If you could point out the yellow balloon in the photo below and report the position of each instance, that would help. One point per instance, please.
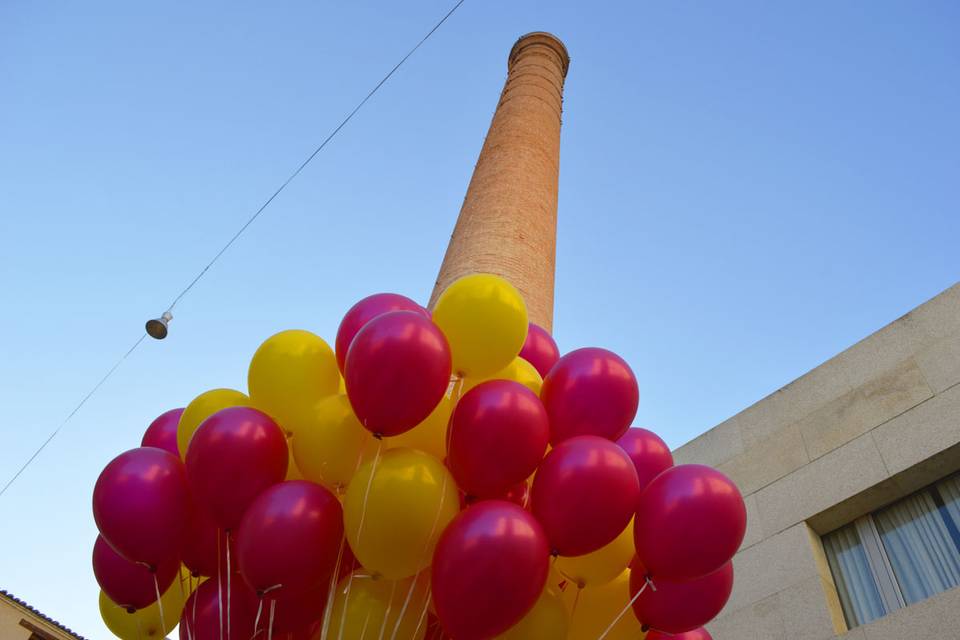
(430, 435)
(289, 373)
(145, 623)
(293, 471)
(597, 607)
(602, 565)
(202, 407)
(377, 603)
(519, 370)
(485, 321)
(331, 447)
(396, 507)
(548, 620)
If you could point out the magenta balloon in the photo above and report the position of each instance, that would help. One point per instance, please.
(680, 606)
(162, 432)
(584, 494)
(289, 538)
(296, 611)
(498, 434)
(234, 455)
(649, 453)
(201, 618)
(691, 519)
(126, 583)
(140, 505)
(204, 543)
(696, 634)
(540, 350)
(365, 311)
(489, 568)
(397, 371)
(590, 392)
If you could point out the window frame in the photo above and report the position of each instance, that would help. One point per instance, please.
(878, 560)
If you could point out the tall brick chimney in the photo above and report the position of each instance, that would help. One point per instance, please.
(508, 222)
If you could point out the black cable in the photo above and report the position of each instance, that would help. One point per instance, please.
(232, 240)
(313, 155)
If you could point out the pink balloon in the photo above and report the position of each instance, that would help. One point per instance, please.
(289, 538)
(128, 584)
(365, 311)
(693, 521)
(540, 350)
(162, 432)
(680, 606)
(584, 494)
(397, 371)
(201, 618)
(590, 392)
(140, 505)
(204, 549)
(696, 634)
(234, 455)
(649, 453)
(498, 435)
(489, 568)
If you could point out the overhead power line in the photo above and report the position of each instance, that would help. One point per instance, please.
(239, 232)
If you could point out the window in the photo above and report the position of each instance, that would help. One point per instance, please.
(901, 554)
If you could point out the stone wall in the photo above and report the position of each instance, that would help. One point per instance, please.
(869, 426)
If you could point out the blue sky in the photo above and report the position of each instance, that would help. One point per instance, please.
(746, 190)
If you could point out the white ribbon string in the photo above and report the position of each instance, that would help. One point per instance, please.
(647, 583)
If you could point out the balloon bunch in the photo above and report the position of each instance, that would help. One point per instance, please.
(436, 475)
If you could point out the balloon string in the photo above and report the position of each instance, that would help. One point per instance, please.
(334, 579)
(366, 621)
(156, 587)
(386, 614)
(576, 601)
(256, 620)
(423, 613)
(328, 606)
(423, 553)
(195, 607)
(228, 585)
(219, 586)
(363, 514)
(273, 608)
(647, 583)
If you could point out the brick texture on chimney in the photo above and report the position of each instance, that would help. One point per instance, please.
(508, 222)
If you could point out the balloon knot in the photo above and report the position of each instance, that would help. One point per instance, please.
(378, 435)
(131, 610)
(554, 553)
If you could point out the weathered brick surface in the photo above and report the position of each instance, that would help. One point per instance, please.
(508, 222)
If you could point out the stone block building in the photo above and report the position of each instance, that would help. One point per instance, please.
(850, 475)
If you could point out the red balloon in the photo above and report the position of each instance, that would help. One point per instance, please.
(365, 311)
(397, 371)
(590, 392)
(498, 435)
(649, 453)
(140, 504)
(201, 617)
(204, 543)
(691, 519)
(294, 612)
(696, 634)
(680, 606)
(489, 569)
(128, 584)
(162, 432)
(289, 538)
(584, 494)
(234, 455)
(540, 350)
